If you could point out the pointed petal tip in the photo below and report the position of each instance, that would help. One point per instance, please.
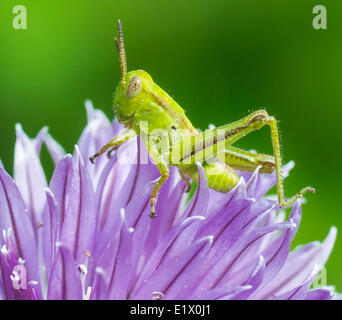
(18, 127)
(194, 218)
(261, 260)
(290, 164)
(331, 237)
(88, 103)
(78, 154)
(58, 244)
(90, 110)
(43, 130)
(333, 231)
(208, 239)
(48, 191)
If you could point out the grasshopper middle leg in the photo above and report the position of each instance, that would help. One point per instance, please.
(164, 171)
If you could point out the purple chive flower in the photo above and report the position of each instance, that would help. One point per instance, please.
(87, 234)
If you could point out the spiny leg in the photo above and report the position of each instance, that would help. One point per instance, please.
(211, 143)
(164, 171)
(272, 122)
(255, 121)
(115, 142)
(206, 145)
(110, 151)
(243, 160)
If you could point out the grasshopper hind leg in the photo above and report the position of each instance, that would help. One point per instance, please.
(243, 160)
(256, 121)
(221, 177)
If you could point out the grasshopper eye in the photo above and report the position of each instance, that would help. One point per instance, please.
(134, 87)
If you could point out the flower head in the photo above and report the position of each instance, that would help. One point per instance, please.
(87, 234)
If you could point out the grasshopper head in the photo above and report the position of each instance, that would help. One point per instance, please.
(132, 88)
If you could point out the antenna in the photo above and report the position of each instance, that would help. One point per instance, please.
(120, 46)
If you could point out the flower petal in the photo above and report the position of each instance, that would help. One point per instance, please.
(217, 273)
(55, 149)
(254, 280)
(115, 261)
(99, 290)
(122, 271)
(199, 202)
(79, 223)
(15, 216)
(265, 182)
(222, 294)
(96, 134)
(65, 281)
(319, 294)
(170, 281)
(164, 249)
(29, 175)
(50, 230)
(299, 265)
(8, 291)
(299, 292)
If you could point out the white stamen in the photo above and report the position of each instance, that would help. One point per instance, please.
(4, 250)
(156, 295)
(86, 296)
(100, 271)
(58, 244)
(122, 213)
(82, 269)
(197, 217)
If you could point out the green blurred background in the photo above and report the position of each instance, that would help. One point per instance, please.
(218, 59)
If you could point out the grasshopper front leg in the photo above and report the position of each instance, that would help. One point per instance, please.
(114, 143)
(164, 171)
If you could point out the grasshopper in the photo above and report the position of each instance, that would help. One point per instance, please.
(138, 99)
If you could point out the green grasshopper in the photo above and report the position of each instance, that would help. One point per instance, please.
(138, 99)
